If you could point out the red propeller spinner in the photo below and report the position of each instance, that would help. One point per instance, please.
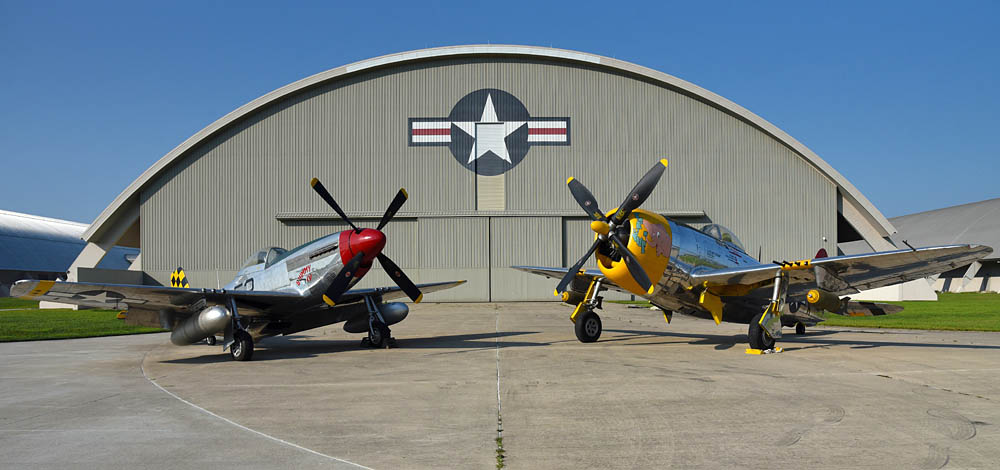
(368, 241)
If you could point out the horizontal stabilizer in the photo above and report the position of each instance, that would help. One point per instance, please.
(868, 309)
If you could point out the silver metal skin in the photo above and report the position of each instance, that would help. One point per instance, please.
(698, 259)
(276, 292)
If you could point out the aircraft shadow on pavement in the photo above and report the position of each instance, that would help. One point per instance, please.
(300, 346)
(812, 339)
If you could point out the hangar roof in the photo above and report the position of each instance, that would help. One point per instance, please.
(40, 244)
(974, 223)
(129, 197)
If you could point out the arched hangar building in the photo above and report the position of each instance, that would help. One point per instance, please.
(483, 138)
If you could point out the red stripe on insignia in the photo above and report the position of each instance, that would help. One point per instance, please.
(435, 131)
(546, 130)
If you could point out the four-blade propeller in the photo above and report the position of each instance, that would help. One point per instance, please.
(605, 227)
(342, 282)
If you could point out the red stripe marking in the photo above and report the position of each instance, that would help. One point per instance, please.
(546, 130)
(432, 131)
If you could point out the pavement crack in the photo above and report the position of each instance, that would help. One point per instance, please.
(142, 370)
(970, 395)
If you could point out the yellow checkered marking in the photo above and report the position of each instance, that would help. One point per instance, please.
(179, 279)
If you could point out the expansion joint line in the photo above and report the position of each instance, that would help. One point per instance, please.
(238, 425)
(499, 438)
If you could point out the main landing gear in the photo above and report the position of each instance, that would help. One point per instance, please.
(242, 347)
(765, 327)
(588, 323)
(759, 338)
(237, 339)
(379, 334)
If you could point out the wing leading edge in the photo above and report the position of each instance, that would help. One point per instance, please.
(854, 273)
(123, 296)
(582, 281)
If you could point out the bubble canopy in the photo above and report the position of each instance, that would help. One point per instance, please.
(722, 233)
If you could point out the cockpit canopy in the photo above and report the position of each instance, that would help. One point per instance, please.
(265, 255)
(720, 232)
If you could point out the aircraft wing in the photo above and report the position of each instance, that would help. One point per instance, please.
(850, 274)
(395, 292)
(123, 296)
(582, 281)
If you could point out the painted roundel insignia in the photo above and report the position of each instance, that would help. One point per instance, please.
(489, 131)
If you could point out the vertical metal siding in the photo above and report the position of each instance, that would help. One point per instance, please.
(218, 204)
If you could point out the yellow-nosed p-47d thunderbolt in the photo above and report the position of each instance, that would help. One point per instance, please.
(707, 273)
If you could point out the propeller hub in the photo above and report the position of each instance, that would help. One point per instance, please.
(601, 227)
(368, 241)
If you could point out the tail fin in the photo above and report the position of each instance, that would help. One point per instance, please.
(178, 278)
(821, 254)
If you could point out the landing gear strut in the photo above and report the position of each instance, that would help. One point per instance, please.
(379, 334)
(588, 323)
(765, 327)
(236, 337)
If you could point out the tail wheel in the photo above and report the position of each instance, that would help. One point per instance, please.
(757, 336)
(242, 347)
(800, 328)
(588, 327)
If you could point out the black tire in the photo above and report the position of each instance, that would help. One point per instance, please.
(588, 327)
(800, 328)
(757, 336)
(210, 341)
(378, 335)
(242, 347)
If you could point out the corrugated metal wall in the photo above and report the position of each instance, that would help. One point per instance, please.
(220, 203)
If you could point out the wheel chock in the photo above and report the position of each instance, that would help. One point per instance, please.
(764, 351)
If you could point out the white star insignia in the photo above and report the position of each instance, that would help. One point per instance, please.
(489, 133)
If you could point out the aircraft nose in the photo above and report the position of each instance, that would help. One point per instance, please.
(369, 241)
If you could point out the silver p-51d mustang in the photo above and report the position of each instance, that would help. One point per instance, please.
(276, 292)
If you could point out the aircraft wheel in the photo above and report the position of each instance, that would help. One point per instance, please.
(588, 327)
(210, 341)
(242, 347)
(800, 328)
(378, 335)
(759, 339)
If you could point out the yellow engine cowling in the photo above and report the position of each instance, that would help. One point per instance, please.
(828, 301)
(650, 241)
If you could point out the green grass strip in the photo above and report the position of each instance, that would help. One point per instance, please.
(966, 311)
(13, 302)
(37, 324)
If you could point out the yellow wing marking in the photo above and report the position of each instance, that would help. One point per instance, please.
(40, 289)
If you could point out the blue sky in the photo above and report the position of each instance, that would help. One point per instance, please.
(900, 97)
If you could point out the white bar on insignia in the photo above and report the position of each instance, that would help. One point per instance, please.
(432, 124)
(547, 124)
(546, 137)
(431, 138)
